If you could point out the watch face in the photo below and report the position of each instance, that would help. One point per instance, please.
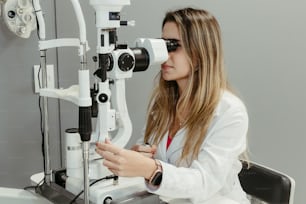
(156, 180)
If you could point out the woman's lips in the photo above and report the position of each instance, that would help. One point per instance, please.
(165, 67)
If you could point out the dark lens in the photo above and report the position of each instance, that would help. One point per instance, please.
(172, 44)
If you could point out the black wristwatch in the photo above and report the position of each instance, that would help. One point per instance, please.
(157, 176)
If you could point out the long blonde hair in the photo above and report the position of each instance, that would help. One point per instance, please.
(201, 39)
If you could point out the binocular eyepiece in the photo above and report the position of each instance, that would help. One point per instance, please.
(172, 44)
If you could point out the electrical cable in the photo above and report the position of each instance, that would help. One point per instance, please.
(41, 120)
(94, 182)
(34, 186)
(39, 98)
(37, 24)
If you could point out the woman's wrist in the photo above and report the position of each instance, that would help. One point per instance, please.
(150, 168)
(156, 177)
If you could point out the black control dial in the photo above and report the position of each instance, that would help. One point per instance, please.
(126, 62)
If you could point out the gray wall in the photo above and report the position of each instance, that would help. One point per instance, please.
(20, 138)
(265, 53)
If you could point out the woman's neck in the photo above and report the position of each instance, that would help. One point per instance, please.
(177, 123)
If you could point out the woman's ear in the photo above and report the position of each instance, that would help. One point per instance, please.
(196, 65)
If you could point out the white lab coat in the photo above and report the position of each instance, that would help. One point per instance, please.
(213, 177)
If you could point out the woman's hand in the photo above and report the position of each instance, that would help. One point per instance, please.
(146, 150)
(123, 162)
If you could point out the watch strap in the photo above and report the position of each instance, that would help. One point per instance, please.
(157, 175)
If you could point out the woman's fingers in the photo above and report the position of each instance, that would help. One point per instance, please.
(146, 154)
(110, 165)
(123, 162)
(112, 157)
(145, 149)
(109, 148)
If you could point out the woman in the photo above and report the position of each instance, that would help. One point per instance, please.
(196, 127)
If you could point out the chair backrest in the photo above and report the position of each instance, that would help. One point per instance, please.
(267, 184)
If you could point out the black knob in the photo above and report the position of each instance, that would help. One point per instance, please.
(11, 14)
(103, 98)
(126, 62)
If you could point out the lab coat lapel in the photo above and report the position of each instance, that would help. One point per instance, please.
(175, 149)
(162, 148)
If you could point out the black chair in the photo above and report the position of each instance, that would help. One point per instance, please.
(266, 185)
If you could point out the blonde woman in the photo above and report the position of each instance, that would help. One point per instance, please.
(196, 127)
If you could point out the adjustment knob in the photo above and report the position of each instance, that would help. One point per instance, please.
(126, 62)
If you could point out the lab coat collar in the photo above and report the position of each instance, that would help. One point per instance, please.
(178, 140)
(177, 143)
(175, 146)
(218, 110)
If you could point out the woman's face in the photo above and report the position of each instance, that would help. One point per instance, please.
(176, 67)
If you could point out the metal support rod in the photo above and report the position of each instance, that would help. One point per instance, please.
(47, 169)
(86, 171)
(84, 57)
(85, 123)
